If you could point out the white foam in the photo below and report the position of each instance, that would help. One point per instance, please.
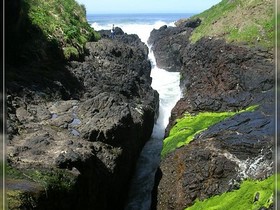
(142, 30)
(166, 83)
(251, 167)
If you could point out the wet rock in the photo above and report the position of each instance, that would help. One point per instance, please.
(257, 197)
(107, 33)
(99, 132)
(223, 153)
(167, 42)
(216, 76)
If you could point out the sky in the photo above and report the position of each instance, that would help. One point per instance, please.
(146, 6)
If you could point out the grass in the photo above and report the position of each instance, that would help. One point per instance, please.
(249, 22)
(241, 199)
(187, 127)
(50, 179)
(30, 186)
(63, 23)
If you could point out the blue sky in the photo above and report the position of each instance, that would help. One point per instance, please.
(146, 6)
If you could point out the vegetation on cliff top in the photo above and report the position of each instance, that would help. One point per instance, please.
(45, 29)
(251, 195)
(62, 22)
(248, 22)
(186, 128)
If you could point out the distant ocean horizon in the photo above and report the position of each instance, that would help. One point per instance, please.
(141, 24)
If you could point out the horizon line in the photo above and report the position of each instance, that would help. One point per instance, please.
(131, 13)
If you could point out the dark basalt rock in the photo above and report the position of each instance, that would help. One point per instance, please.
(168, 42)
(188, 23)
(215, 76)
(98, 134)
(107, 33)
(219, 77)
(217, 160)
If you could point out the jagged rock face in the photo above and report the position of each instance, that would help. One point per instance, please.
(188, 23)
(99, 134)
(224, 76)
(168, 42)
(217, 160)
(216, 76)
(107, 33)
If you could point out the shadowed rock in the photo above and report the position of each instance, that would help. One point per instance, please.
(215, 76)
(99, 134)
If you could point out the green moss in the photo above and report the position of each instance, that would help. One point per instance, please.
(277, 182)
(13, 173)
(250, 22)
(23, 194)
(26, 188)
(187, 127)
(15, 199)
(51, 179)
(70, 52)
(241, 199)
(250, 108)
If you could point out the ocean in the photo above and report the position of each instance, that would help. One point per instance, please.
(167, 85)
(140, 24)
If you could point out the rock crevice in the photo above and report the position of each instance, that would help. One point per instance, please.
(97, 131)
(215, 76)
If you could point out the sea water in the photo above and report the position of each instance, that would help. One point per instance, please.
(140, 24)
(167, 85)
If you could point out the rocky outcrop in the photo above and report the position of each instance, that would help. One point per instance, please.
(221, 77)
(107, 33)
(46, 31)
(166, 49)
(168, 42)
(216, 76)
(93, 131)
(218, 159)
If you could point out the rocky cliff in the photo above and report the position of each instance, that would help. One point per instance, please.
(216, 76)
(75, 129)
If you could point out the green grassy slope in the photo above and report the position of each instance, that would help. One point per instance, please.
(63, 22)
(248, 22)
(46, 29)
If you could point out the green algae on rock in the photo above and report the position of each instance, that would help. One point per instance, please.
(187, 127)
(252, 194)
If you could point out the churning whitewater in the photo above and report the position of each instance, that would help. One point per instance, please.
(167, 85)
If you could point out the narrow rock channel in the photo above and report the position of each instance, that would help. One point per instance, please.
(167, 85)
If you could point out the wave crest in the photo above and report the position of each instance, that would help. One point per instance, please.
(141, 29)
